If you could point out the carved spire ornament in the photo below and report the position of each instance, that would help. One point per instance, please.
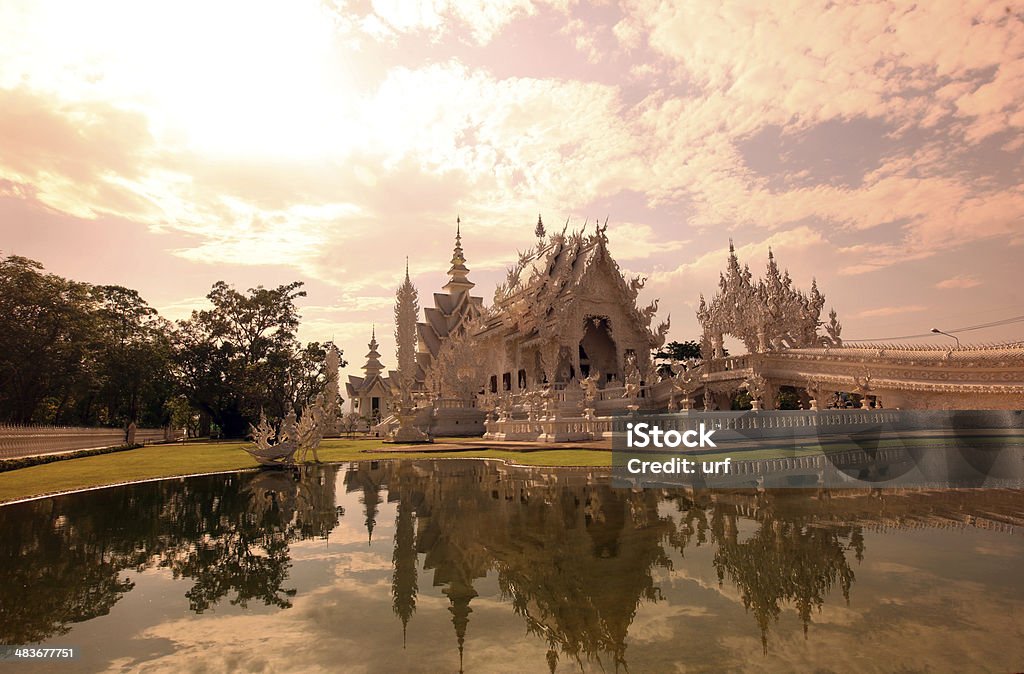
(767, 315)
(458, 274)
(373, 365)
(406, 311)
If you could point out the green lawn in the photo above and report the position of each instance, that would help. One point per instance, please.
(159, 461)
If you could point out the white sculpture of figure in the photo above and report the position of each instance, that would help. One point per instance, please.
(756, 386)
(589, 385)
(632, 384)
(311, 429)
(505, 407)
(864, 389)
(814, 389)
(332, 397)
(632, 379)
(550, 396)
(686, 378)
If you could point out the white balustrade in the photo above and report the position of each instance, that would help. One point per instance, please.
(21, 441)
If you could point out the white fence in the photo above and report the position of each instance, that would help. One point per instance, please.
(729, 425)
(21, 441)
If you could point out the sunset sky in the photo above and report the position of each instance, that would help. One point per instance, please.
(165, 146)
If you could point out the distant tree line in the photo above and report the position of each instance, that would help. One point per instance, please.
(74, 353)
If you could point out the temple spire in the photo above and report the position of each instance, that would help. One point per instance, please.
(407, 308)
(460, 594)
(373, 365)
(458, 273)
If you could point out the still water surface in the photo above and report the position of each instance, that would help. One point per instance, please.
(439, 565)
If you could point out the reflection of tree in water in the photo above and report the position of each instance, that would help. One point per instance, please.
(63, 558)
(80, 579)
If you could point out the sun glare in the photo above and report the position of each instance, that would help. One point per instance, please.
(221, 78)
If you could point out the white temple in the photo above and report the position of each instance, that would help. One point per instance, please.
(564, 347)
(371, 393)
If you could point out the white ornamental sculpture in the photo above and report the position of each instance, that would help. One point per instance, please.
(589, 385)
(406, 311)
(280, 448)
(460, 364)
(332, 398)
(311, 429)
(686, 379)
(757, 387)
(769, 314)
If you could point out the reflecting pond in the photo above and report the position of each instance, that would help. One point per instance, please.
(447, 564)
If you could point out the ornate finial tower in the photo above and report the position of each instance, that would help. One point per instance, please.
(539, 231)
(406, 311)
(458, 274)
(373, 365)
(407, 308)
(460, 593)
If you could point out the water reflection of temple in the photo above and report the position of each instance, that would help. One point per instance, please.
(576, 558)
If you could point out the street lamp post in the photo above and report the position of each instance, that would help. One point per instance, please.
(940, 332)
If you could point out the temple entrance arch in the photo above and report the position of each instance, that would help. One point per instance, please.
(597, 349)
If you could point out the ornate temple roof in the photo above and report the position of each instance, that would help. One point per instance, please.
(451, 309)
(372, 368)
(551, 274)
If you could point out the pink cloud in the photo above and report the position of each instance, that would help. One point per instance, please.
(891, 311)
(959, 281)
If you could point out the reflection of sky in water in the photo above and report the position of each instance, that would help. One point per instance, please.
(927, 593)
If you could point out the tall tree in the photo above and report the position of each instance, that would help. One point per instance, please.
(238, 358)
(132, 353)
(47, 321)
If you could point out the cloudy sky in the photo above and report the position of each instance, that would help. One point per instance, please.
(876, 147)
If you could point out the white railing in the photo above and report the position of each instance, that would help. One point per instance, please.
(730, 424)
(21, 441)
(729, 363)
(453, 403)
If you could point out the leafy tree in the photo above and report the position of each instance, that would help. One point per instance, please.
(675, 351)
(788, 398)
(75, 353)
(133, 358)
(679, 351)
(240, 357)
(309, 375)
(47, 322)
